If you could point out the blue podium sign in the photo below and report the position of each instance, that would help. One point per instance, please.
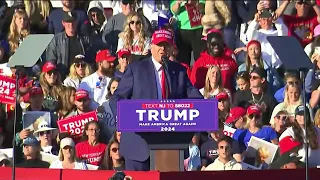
(190, 115)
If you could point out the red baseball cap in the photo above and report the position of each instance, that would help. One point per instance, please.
(287, 144)
(222, 95)
(122, 52)
(253, 109)
(235, 113)
(162, 36)
(210, 31)
(35, 91)
(105, 55)
(81, 93)
(48, 66)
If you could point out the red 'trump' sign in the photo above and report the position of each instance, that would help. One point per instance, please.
(7, 90)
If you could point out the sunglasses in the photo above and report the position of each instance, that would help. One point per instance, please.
(45, 132)
(224, 147)
(80, 65)
(115, 150)
(283, 118)
(135, 22)
(52, 72)
(254, 77)
(256, 116)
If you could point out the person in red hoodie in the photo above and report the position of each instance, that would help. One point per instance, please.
(214, 55)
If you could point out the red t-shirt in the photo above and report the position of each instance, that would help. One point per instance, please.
(301, 28)
(92, 154)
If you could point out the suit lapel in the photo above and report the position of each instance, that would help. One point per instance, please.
(151, 78)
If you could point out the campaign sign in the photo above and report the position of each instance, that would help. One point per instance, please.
(7, 90)
(75, 124)
(190, 115)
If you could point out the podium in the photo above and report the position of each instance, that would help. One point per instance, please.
(164, 128)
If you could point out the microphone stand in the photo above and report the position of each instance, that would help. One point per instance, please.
(306, 118)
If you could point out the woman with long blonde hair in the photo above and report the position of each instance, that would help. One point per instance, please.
(19, 29)
(38, 12)
(50, 82)
(133, 36)
(79, 69)
(213, 83)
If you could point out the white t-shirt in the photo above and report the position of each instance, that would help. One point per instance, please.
(97, 89)
(77, 165)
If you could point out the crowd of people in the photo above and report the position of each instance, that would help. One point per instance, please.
(216, 49)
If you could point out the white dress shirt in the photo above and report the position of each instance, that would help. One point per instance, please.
(158, 73)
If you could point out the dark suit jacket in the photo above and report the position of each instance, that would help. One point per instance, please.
(139, 82)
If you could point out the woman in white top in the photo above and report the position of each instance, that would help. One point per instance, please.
(133, 36)
(67, 157)
(213, 84)
(78, 70)
(297, 132)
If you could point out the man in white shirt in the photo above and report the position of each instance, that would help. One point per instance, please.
(96, 84)
(225, 161)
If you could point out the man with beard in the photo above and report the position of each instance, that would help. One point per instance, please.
(96, 83)
(82, 102)
(214, 56)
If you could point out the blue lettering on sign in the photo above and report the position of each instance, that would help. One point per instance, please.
(168, 114)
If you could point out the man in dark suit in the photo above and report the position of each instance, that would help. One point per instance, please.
(146, 79)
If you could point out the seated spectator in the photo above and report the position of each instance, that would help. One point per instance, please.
(67, 157)
(79, 69)
(57, 15)
(243, 81)
(112, 159)
(36, 99)
(19, 30)
(214, 56)
(134, 37)
(117, 136)
(255, 128)
(61, 52)
(4, 160)
(236, 118)
(124, 58)
(280, 122)
(91, 149)
(31, 151)
(223, 105)
(66, 102)
(96, 83)
(209, 149)
(224, 161)
(81, 102)
(50, 82)
(47, 135)
(297, 130)
(256, 95)
(213, 84)
(289, 78)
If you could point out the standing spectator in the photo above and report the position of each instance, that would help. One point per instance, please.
(214, 56)
(236, 118)
(82, 103)
(133, 36)
(115, 25)
(96, 83)
(223, 105)
(91, 149)
(297, 131)
(66, 102)
(149, 73)
(124, 58)
(224, 161)
(303, 23)
(19, 30)
(36, 99)
(256, 95)
(79, 69)
(56, 16)
(67, 157)
(67, 44)
(255, 128)
(112, 159)
(31, 151)
(213, 84)
(50, 82)
(190, 28)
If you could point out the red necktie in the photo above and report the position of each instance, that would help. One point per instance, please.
(163, 85)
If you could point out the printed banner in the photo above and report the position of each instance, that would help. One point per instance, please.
(7, 90)
(75, 124)
(194, 15)
(188, 115)
(228, 131)
(259, 154)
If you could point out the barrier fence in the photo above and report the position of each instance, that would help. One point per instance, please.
(51, 174)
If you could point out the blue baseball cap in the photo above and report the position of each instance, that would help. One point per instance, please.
(31, 141)
(300, 110)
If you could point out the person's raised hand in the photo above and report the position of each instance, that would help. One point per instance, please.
(24, 133)
(260, 6)
(240, 49)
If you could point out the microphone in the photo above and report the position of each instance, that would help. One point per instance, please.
(164, 59)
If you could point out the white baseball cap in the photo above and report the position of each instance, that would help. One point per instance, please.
(66, 142)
